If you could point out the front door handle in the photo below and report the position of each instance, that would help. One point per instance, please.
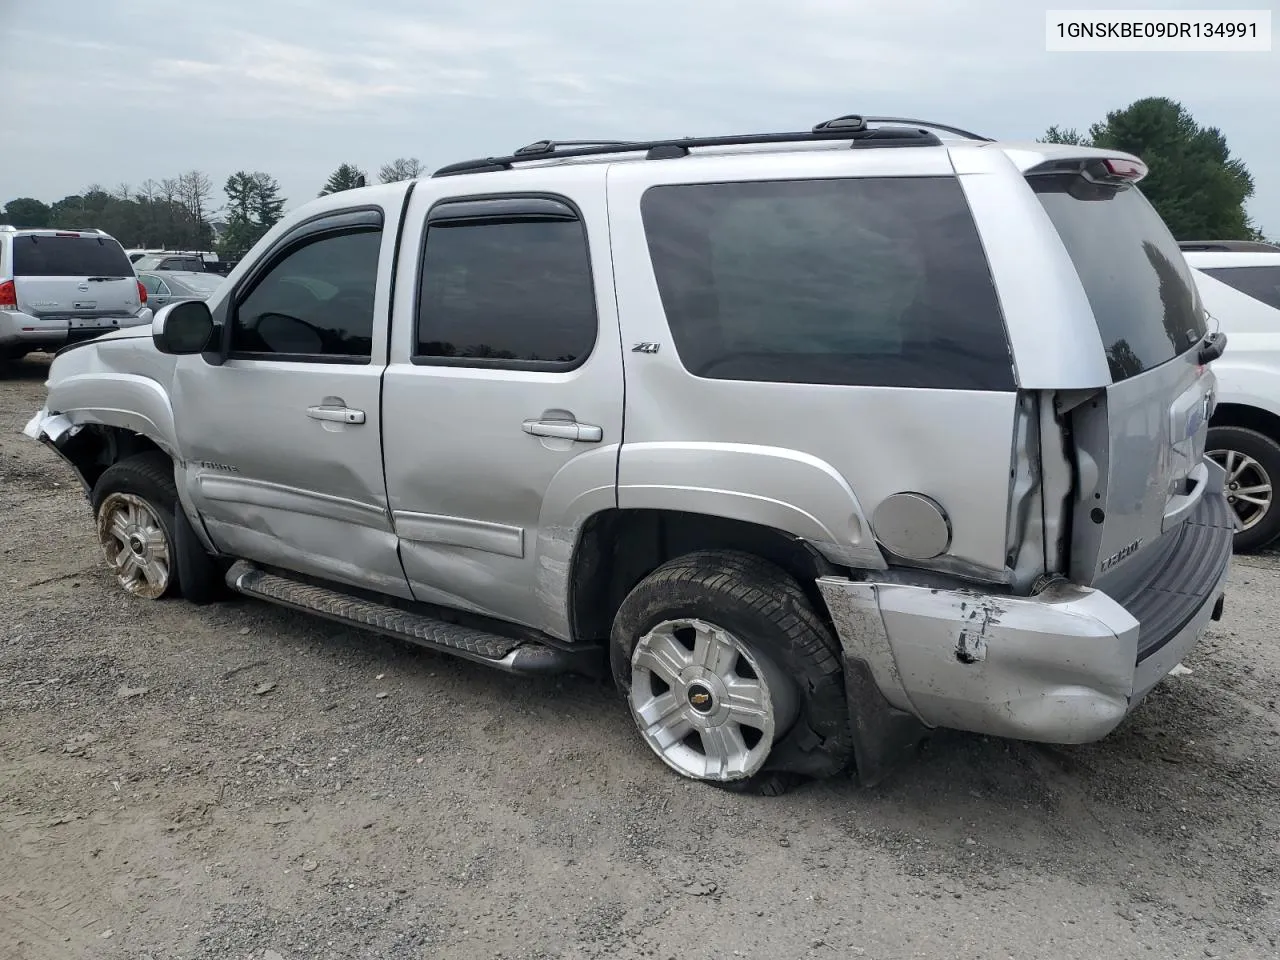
(336, 414)
(565, 430)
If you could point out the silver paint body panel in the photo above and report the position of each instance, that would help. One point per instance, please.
(440, 495)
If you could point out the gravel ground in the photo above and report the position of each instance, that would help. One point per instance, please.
(238, 781)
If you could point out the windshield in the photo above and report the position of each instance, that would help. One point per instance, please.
(147, 263)
(1261, 283)
(1138, 283)
(50, 256)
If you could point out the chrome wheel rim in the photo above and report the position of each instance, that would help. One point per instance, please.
(1248, 486)
(135, 545)
(706, 703)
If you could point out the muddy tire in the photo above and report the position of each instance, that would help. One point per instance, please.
(1252, 462)
(731, 676)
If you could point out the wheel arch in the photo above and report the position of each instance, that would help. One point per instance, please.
(1232, 413)
(617, 548)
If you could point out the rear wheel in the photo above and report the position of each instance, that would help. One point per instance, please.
(730, 675)
(1252, 462)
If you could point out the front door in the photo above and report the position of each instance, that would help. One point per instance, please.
(281, 443)
(503, 398)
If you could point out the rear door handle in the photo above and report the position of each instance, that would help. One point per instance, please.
(336, 414)
(565, 430)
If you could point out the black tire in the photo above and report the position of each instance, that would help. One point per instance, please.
(766, 609)
(1266, 453)
(149, 477)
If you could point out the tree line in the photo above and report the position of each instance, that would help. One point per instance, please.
(1194, 183)
(179, 213)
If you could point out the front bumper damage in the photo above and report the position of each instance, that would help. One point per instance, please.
(1064, 666)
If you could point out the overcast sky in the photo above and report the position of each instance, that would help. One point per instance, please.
(117, 91)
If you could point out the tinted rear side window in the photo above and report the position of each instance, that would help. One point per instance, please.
(50, 256)
(1261, 283)
(1138, 283)
(517, 291)
(877, 282)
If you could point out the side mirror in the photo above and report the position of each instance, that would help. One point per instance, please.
(182, 328)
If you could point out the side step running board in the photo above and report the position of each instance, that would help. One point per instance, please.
(512, 656)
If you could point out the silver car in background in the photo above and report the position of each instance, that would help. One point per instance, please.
(62, 286)
(174, 285)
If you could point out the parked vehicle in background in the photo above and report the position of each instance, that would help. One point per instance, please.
(60, 286)
(171, 286)
(1239, 283)
(911, 437)
(186, 262)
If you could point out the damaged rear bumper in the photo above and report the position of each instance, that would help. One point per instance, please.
(1064, 666)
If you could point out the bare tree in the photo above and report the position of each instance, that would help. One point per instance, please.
(195, 190)
(123, 192)
(402, 168)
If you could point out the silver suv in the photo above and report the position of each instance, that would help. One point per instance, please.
(819, 439)
(61, 286)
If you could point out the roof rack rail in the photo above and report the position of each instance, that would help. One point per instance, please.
(856, 122)
(1236, 246)
(542, 147)
(899, 133)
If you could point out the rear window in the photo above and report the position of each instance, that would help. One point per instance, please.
(875, 281)
(50, 256)
(1141, 290)
(1261, 283)
(202, 283)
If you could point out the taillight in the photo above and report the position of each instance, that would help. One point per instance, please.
(8, 296)
(142, 294)
(1126, 169)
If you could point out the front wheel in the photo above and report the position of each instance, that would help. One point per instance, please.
(133, 501)
(1252, 462)
(730, 675)
(146, 538)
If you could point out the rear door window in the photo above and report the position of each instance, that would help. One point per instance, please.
(870, 281)
(1261, 283)
(50, 256)
(518, 292)
(1141, 290)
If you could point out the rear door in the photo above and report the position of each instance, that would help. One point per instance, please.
(1139, 444)
(503, 398)
(84, 278)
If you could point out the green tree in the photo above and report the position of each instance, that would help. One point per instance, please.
(347, 177)
(1070, 136)
(402, 168)
(26, 212)
(1194, 183)
(254, 206)
(268, 206)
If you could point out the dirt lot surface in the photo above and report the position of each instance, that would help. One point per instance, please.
(238, 781)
